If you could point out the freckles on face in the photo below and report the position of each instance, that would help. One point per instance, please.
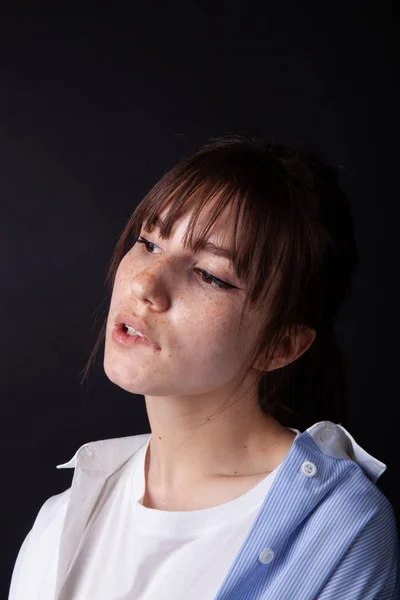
(194, 325)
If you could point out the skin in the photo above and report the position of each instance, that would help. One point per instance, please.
(185, 382)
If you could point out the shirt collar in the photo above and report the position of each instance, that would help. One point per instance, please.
(335, 441)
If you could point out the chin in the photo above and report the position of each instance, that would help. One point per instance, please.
(119, 375)
(125, 379)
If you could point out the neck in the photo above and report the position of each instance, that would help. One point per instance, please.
(189, 447)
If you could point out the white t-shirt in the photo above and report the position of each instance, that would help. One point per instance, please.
(131, 551)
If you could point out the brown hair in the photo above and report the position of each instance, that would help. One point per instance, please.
(293, 225)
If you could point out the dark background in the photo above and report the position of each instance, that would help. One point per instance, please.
(93, 110)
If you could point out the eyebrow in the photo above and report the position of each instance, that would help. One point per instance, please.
(205, 245)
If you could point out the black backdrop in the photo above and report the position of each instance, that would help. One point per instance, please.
(92, 111)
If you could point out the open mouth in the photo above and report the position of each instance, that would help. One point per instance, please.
(131, 331)
(124, 337)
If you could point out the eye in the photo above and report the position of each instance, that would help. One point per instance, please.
(214, 281)
(204, 276)
(147, 245)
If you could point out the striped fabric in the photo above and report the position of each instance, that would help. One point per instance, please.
(333, 535)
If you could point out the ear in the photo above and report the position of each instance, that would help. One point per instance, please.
(290, 348)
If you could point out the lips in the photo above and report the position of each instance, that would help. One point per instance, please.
(124, 318)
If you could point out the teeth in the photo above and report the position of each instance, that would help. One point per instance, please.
(132, 331)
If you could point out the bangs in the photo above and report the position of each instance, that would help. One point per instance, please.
(208, 202)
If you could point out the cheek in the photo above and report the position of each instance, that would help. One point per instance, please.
(125, 269)
(205, 328)
(116, 292)
(123, 277)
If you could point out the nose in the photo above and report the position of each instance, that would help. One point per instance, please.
(150, 284)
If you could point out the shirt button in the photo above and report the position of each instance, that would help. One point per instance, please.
(308, 469)
(326, 433)
(266, 556)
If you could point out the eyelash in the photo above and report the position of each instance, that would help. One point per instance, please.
(218, 283)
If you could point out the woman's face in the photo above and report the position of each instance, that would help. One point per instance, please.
(192, 320)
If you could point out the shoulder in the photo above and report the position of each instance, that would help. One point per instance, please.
(104, 455)
(39, 548)
(359, 525)
(329, 482)
(345, 474)
(49, 521)
(358, 516)
(52, 509)
(348, 526)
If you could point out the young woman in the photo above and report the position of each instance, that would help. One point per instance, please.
(226, 284)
